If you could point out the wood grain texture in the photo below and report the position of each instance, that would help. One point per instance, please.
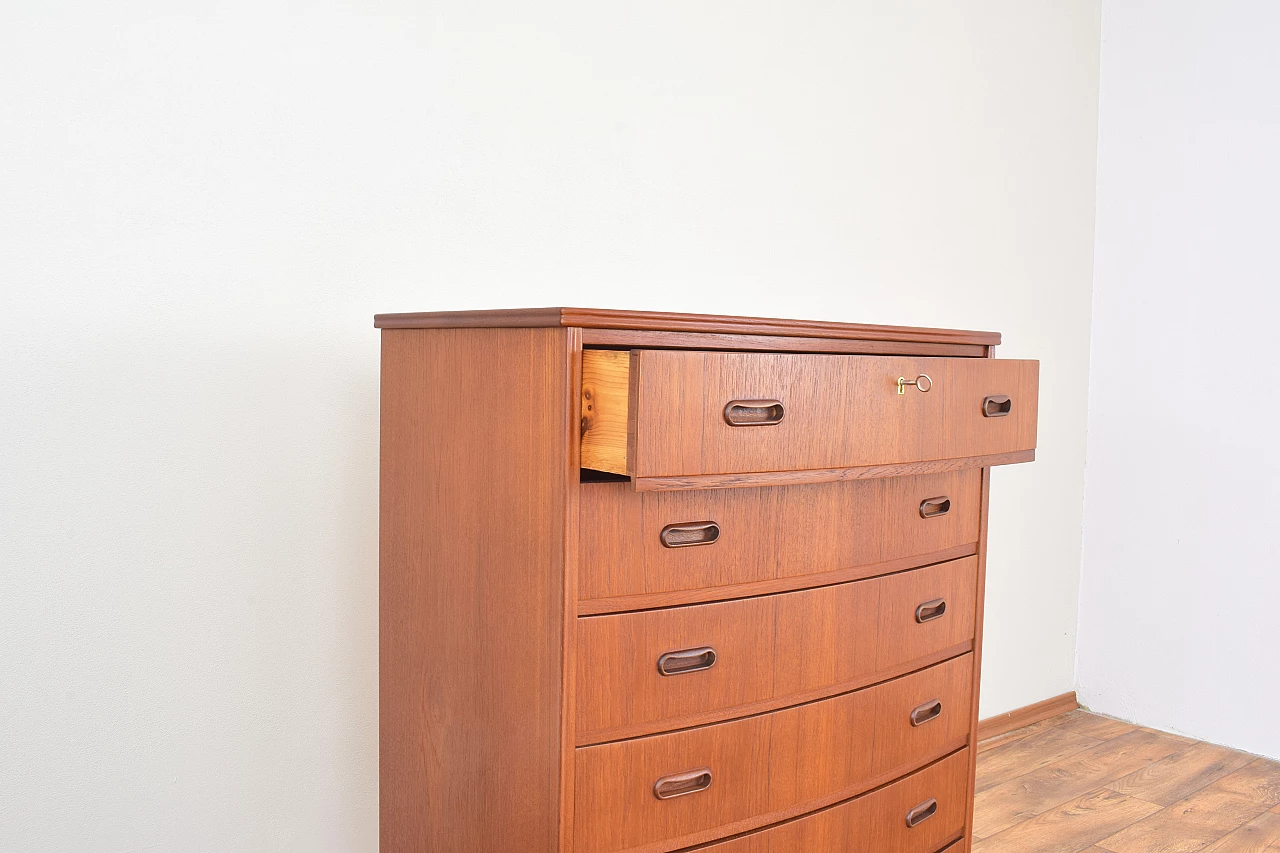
(1010, 803)
(1070, 827)
(1199, 798)
(766, 534)
(980, 598)
(1010, 737)
(1092, 725)
(873, 823)
(1259, 780)
(1020, 756)
(825, 475)
(766, 768)
(901, 636)
(663, 321)
(1026, 715)
(770, 650)
(1079, 722)
(472, 549)
(1260, 835)
(651, 601)
(604, 411)
(569, 592)
(521, 610)
(649, 339)
(841, 411)
(1191, 824)
(1181, 774)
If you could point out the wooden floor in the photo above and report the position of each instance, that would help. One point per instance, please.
(1080, 782)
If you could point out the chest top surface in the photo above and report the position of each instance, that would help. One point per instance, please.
(662, 321)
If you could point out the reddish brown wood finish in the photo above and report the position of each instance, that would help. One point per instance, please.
(841, 411)
(828, 475)
(980, 597)
(470, 669)
(662, 321)
(875, 822)
(651, 601)
(522, 612)
(569, 593)
(766, 768)
(770, 650)
(782, 532)
(1027, 715)
(638, 339)
(901, 635)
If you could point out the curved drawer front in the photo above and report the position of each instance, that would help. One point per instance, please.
(639, 673)
(876, 822)
(768, 535)
(806, 412)
(731, 777)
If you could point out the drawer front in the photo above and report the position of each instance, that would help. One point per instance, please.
(639, 673)
(765, 535)
(740, 775)
(807, 412)
(876, 822)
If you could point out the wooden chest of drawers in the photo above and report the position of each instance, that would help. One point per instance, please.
(657, 582)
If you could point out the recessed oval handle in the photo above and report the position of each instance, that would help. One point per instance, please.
(931, 610)
(740, 413)
(922, 812)
(679, 784)
(934, 507)
(686, 661)
(926, 712)
(997, 406)
(688, 533)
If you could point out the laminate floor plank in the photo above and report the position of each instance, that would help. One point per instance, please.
(1181, 774)
(1046, 746)
(1081, 783)
(1071, 827)
(1033, 793)
(1259, 780)
(1188, 825)
(1010, 737)
(1260, 835)
(1091, 725)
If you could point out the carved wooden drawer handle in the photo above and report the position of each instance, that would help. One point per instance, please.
(679, 784)
(934, 507)
(689, 533)
(931, 610)
(997, 406)
(926, 712)
(741, 413)
(922, 812)
(687, 660)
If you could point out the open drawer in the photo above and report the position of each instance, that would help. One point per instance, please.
(687, 419)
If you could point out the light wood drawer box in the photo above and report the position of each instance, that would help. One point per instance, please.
(643, 672)
(766, 538)
(750, 772)
(569, 495)
(876, 822)
(692, 414)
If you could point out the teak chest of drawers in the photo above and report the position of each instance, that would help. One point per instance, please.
(652, 582)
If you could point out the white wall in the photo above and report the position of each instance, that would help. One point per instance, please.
(204, 204)
(1181, 559)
